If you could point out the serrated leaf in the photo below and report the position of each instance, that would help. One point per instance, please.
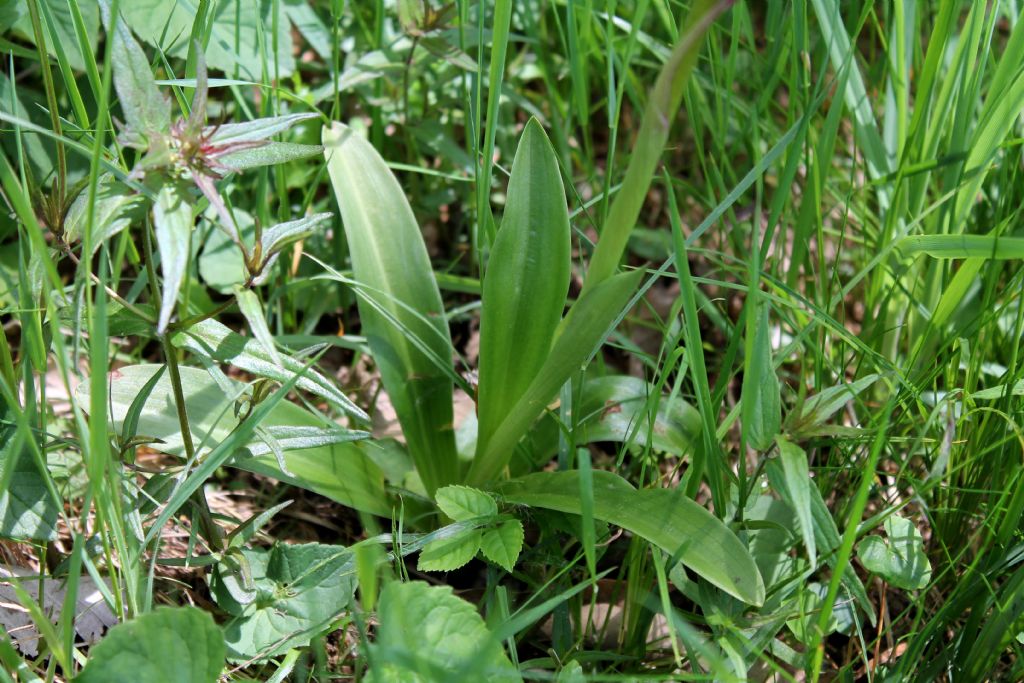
(463, 503)
(167, 645)
(147, 111)
(761, 405)
(665, 517)
(217, 342)
(899, 558)
(391, 265)
(451, 641)
(252, 310)
(452, 552)
(526, 283)
(172, 222)
(503, 544)
(299, 590)
(339, 470)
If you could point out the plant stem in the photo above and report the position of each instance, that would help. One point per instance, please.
(51, 98)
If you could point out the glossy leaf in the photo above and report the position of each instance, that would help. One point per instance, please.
(664, 517)
(502, 544)
(389, 260)
(217, 342)
(297, 591)
(167, 645)
(581, 334)
(172, 222)
(451, 641)
(341, 471)
(526, 282)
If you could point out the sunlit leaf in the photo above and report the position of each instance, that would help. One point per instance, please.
(172, 222)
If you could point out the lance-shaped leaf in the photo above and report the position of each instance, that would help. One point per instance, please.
(172, 222)
(116, 206)
(526, 282)
(761, 406)
(390, 259)
(581, 334)
(146, 109)
(213, 340)
(274, 239)
(258, 129)
(665, 517)
(798, 481)
(269, 154)
(251, 308)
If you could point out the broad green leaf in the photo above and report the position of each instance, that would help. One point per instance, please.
(665, 517)
(64, 27)
(305, 19)
(807, 605)
(427, 634)
(147, 111)
(503, 544)
(993, 393)
(117, 207)
(217, 342)
(571, 673)
(463, 503)
(390, 260)
(817, 409)
(526, 282)
(298, 591)
(27, 511)
(581, 334)
(899, 558)
(21, 103)
(798, 481)
(252, 310)
(761, 405)
(276, 238)
(240, 31)
(167, 645)
(221, 264)
(451, 552)
(659, 113)
(341, 471)
(172, 222)
(964, 246)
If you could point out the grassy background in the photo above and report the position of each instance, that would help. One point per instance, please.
(847, 181)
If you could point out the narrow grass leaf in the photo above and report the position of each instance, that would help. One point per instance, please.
(964, 246)
(526, 282)
(388, 255)
(664, 517)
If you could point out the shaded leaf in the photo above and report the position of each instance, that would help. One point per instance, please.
(116, 207)
(167, 645)
(451, 641)
(298, 591)
(899, 558)
(761, 405)
(27, 510)
(798, 482)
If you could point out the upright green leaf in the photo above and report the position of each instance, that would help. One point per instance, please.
(662, 105)
(428, 634)
(146, 109)
(899, 558)
(251, 308)
(665, 517)
(526, 282)
(172, 222)
(390, 260)
(761, 406)
(798, 480)
(580, 336)
(167, 645)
